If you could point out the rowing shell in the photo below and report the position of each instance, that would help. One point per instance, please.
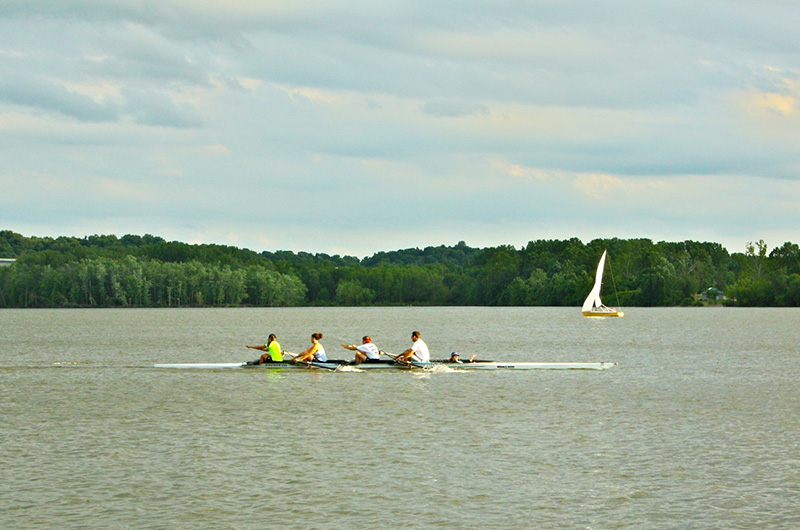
(477, 365)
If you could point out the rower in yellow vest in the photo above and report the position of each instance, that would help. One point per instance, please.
(272, 351)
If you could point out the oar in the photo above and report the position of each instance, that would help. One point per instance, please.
(392, 355)
(315, 364)
(320, 364)
(291, 355)
(327, 366)
(401, 362)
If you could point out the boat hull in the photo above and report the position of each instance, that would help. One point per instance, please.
(603, 314)
(520, 366)
(388, 365)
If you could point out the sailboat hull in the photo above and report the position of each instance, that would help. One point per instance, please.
(612, 313)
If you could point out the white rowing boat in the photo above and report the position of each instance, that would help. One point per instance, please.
(338, 365)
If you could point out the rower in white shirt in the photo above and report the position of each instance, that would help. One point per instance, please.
(366, 351)
(417, 352)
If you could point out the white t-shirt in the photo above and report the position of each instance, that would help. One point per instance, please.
(421, 352)
(370, 350)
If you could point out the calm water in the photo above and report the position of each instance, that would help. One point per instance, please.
(697, 427)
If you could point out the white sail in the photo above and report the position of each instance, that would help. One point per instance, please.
(593, 306)
(593, 300)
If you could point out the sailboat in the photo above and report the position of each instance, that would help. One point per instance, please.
(593, 306)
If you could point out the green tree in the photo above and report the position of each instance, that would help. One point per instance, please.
(787, 257)
(352, 293)
(495, 269)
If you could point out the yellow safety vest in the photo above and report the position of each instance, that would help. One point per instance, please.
(275, 351)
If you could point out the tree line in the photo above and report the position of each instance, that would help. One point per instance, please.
(147, 271)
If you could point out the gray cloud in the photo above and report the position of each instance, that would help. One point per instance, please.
(49, 97)
(154, 108)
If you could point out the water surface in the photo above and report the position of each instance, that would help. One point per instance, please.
(697, 427)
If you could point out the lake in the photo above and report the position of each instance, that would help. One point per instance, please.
(697, 427)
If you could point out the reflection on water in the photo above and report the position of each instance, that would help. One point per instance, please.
(696, 428)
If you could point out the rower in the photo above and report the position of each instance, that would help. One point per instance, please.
(315, 353)
(272, 351)
(366, 351)
(417, 352)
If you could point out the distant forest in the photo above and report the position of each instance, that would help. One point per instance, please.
(147, 271)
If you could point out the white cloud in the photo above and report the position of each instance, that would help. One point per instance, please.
(482, 121)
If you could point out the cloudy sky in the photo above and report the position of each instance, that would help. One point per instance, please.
(355, 126)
